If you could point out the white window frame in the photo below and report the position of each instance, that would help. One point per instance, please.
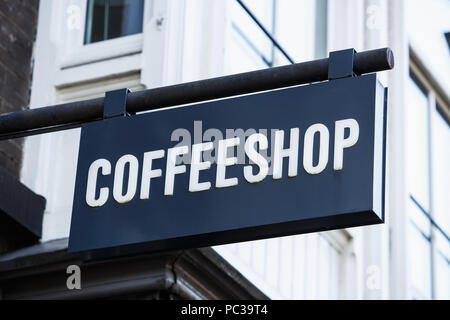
(78, 62)
(76, 52)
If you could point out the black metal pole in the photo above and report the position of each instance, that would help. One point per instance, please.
(72, 115)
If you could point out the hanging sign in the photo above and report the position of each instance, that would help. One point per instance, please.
(290, 161)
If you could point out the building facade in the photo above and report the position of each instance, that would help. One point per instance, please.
(20, 221)
(84, 48)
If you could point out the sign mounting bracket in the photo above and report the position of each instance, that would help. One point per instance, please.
(341, 64)
(115, 104)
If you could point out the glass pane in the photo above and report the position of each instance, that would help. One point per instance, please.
(300, 28)
(249, 31)
(263, 10)
(418, 218)
(417, 164)
(442, 266)
(125, 17)
(442, 278)
(419, 256)
(242, 57)
(442, 244)
(95, 22)
(441, 172)
(108, 19)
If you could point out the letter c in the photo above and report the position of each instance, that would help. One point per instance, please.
(91, 188)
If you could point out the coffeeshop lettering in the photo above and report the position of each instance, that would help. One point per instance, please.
(128, 177)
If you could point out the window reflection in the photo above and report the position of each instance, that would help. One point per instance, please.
(109, 19)
(300, 27)
(417, 144)
(249, 47)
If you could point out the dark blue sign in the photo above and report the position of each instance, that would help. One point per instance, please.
(290, 161)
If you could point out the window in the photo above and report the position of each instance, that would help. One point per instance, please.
(428, 178)
(301, 28)
(428, 149)
(417, 143)
(250, 48)
(266, 33)
(109, 19)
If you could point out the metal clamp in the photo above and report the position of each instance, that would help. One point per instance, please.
(341, 64)
(115, 104)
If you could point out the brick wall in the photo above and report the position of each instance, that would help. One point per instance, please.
(18, 20)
